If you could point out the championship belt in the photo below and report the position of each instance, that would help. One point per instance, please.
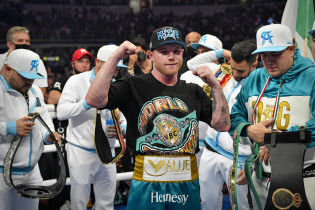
(41, 192)
(233, 170)
(101, 142)
(287, 151)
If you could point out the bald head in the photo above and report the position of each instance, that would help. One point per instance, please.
(192, 37)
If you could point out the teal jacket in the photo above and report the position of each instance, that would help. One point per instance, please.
(296, 102)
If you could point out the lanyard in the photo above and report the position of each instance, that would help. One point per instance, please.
(276, 106)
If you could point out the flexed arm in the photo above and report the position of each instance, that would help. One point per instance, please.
(220, 110)
(97, 95)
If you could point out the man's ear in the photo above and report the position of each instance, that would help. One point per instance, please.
(254, 65)
(150, 54)
(10, 45)
(292, 49)
(5, 70)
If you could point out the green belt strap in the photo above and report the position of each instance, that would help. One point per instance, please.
(248, 169)
(233, 171)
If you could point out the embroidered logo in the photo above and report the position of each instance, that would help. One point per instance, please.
(266, 37)
(167, 33)
(34, 65)
(203, 39)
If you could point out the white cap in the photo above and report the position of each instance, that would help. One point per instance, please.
(208, 41)
(273, 38)
(106, 51)
(25, 62)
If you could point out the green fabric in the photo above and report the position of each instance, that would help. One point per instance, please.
(162, 196)
(248, 173)
(238, 129)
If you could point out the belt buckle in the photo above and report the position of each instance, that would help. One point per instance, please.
(284, 199)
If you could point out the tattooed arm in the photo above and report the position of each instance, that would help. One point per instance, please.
(220, 110)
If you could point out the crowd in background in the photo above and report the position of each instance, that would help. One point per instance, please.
(83, 25)
(63, 23)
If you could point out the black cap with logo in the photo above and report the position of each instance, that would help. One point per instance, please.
(166, 35)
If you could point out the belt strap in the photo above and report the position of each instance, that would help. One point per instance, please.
(43, 192)
(248, 173)
(102, 146)
(233, 169)
(287, 151)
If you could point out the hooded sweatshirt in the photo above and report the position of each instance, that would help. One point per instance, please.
(296, 96)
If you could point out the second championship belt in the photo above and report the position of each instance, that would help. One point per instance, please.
(34, 191)
(287, 151)
(102, 146)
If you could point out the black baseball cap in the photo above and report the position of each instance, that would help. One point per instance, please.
(166, 35)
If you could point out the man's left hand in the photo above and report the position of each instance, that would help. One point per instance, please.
(241, 178)
(207, 76)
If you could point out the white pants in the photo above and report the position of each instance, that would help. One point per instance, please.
(262, 189)
(213, 172)
(9, 198)
(85, 169)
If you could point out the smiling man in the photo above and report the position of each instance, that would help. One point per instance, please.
(162, 113)
(288, 79)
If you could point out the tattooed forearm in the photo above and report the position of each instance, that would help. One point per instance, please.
(220, 116)
(218, 95)
(214, 102)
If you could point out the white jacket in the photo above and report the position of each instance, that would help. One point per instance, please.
(14, 107)
(80, 130)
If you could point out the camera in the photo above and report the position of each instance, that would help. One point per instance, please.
(141, 56)
(189, 52)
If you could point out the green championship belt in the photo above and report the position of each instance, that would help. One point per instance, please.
(42, 192)
(233, 170)
(287, 151)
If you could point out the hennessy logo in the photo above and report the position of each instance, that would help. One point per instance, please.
(157, 197)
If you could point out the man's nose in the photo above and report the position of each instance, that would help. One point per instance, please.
(171, 55)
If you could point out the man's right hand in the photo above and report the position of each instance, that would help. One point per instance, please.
(124, 50)
(24, 126)
(257, 132)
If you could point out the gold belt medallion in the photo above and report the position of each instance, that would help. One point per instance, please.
(284, 199)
